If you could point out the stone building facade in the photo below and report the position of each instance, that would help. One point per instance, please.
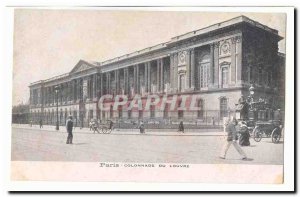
(218, 63)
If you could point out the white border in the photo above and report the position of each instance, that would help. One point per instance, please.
(6, 76)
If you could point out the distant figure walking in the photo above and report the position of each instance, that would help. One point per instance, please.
(230, 129)
(181, 127)
(41, 123)
(142, 127)
(111, 125)
(69, 126)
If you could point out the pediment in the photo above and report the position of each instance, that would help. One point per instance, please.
(81, 66)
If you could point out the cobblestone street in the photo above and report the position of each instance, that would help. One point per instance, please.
(202, 147)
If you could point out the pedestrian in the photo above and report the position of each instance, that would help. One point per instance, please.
(244, 138)
(30, 123)
(41, 123)
(91, 124)
(231, 134)
(181, 127)
(142, 127)
(69, 126)
(111, 125)
(95, 126)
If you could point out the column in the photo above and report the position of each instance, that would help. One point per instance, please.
(149, 76)
(74, 98)
(146, 76)
(78, 89)
(162, 75)
(137, 79)
(117, 77)
(134, 78)
(211, 69)
(216, 64)
(188, 69)
(126, 80)
(107, 83)
(158, 75)
(101, 84)
(233, 59)
(176, 71)
(239, 59)
(171, 70)
(192, 53)
(95, 86)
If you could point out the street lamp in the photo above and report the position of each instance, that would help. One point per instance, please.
(251, 92)
(56, 92)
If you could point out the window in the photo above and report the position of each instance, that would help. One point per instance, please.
(103, 114)
(180, 112)
(250, 74)
(203, 71)
(181, 82)
(129, 114)
(90, 114)
(111, 112)
(223, 107)
(269, 78)
(152, 111)
(166, 111)
(120, 112)
(140, 114)
(200, 111)
(260, 77)
(224, 76)
(66, 115)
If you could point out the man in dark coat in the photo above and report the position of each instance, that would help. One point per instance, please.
(41, 123)
(181, 127)
(69, 126)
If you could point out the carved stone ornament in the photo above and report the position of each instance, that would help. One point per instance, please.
(82, 67)
(182, 58)
(225, 48)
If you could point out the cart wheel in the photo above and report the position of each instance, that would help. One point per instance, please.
(104, 130)
(108, 131)
(276, 135)
(257, 135)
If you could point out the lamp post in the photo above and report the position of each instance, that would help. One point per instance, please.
(251, 92)
(56, 92)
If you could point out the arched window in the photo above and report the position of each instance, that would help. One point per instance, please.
(203, 70)
(200, 111)
(223, 107)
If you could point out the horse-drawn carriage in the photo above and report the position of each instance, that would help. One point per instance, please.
(262, 119)
(105, 128)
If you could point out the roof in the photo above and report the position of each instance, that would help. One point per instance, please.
(202, 31)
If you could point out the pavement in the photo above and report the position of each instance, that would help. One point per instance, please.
(202, 147)
(120, 131)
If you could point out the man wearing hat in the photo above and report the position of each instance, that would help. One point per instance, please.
(230, 130)
(69, 126)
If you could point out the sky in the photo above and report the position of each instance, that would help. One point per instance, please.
(48, 43)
